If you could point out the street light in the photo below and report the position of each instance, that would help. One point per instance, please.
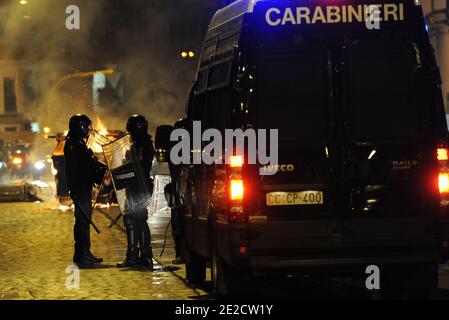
(188, 54)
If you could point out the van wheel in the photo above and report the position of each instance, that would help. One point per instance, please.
(226, 279)
(195, 267)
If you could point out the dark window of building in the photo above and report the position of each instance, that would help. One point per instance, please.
(11, 129)
(29, 92)
(9, 91)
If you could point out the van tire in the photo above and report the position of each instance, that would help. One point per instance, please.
(195, 267)
(226, 279)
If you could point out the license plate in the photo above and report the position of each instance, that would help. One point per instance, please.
(294, 198)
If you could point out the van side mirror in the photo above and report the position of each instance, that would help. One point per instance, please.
(163, 143)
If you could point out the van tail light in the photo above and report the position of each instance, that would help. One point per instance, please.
(236, 162)
(236, 190)
(442, 155)
(443, 182)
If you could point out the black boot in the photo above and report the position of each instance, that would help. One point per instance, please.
(146, 252)
(92, 257)
(79, 253)
(178, 257)
(132, 255)
(84, 256)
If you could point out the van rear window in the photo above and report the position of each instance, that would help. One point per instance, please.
(294, 98)
(379, 94)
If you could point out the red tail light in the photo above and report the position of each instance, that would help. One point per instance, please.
(443, 182)
(236, 162)
(442, 155)
(237, 190)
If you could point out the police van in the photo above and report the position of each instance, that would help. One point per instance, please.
(363, 174)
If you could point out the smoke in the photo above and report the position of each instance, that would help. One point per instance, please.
(35, 36)
(142, 38)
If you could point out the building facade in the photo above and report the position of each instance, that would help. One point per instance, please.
(14, 95)
(437, 16)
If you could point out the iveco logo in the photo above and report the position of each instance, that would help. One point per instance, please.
(404, 164)
(278, 167)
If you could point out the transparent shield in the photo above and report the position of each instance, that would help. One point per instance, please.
(96, 141)
(159, 205)
(127, 175)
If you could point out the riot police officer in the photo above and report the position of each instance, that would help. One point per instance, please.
(82, 170)
(174, 203)
(137, 230)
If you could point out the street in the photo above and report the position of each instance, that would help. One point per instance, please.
(36, 247)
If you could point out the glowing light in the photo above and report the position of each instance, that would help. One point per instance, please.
(39, 165)
(191, 54)
(184, 54)
(442, 154)
(101, 127)
(17, 161)
(23, 2)
(64, 208)
(237, 189)
(47, 130)
(236, 161)
(371, 155)
(443, 182)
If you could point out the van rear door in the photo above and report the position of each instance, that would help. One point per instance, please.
(388, 162)
(295, 97)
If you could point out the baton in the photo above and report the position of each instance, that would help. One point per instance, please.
(115, 221)
(85, 216)
(100, 189)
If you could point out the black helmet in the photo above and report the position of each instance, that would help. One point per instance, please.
(181, 124)
(137, 125)
(79, 125)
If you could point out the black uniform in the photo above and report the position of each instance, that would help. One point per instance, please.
(176, 217)
(137, 229)
(82, 171)
(176, 212)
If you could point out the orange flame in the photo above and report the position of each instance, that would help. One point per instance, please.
(100, 127)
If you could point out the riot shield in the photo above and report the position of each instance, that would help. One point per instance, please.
(159, 205)
(127, 175)
(96, 142)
